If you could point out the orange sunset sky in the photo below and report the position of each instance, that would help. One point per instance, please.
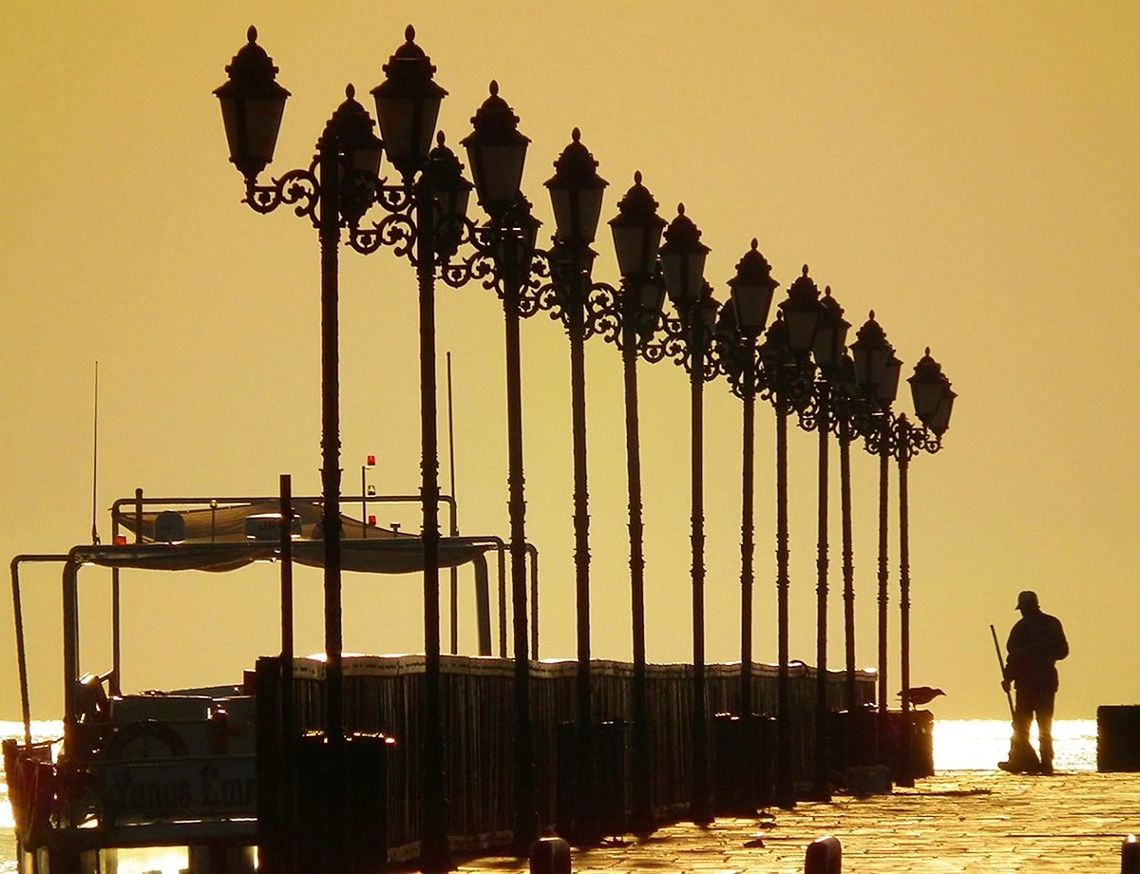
(970, 171)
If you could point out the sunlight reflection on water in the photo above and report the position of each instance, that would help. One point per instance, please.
(979, 744)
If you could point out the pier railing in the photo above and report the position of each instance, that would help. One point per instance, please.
(382, 695)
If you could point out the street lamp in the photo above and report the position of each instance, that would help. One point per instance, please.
(252, 106)
(877, 374)
(683, 263)
(637, 230)
(933, 404)
(407, 106)
(787, 374)
(827, 349)
(751, 291)
(576, 194)
(850, 415)
(502, 256)
(497, 151)
(741, 321)
(326, 193)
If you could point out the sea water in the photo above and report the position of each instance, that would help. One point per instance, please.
(959, 745)
(979, 744)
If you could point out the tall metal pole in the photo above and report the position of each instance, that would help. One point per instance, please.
(702, 802)
(747, 574)
(435, 855)
(287, 735)
(822, 787)
(747, 542)
(586, 825)
(906, 778)
(526, 808)
(453, 573)
(329, 233)
(785, 789)
(884, 476)
(851, 688)
(642, 797)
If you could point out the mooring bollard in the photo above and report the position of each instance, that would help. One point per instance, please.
(550, 856)
(824, 856)
(1130, 856)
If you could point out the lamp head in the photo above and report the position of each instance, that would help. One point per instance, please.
(683, 260)
(452, 191)
(872, 354)
(252, 105)
(496, 151)
(637, 231)
(349, 133)
(933, 397)
(407, 105)
(751, 289)
(830, 333)
(927, 386)
(801, 313)
(576, 193)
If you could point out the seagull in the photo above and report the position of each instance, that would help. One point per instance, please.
(919, 695)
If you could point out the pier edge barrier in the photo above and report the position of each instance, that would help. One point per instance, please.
(824, 856)
(1130, 855)
(550, 856)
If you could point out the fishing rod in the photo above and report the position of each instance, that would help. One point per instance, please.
(1001, 667)
(95, 463)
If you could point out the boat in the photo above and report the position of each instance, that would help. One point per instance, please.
(178, 766)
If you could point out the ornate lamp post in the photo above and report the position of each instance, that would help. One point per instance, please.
(827, 350)
(683, 264)
(326, 193)
(788, 375)
(576, 194)
(751, 291)
(501, 257)
(877, 376)
(741, 321)
(630, 319)
(252, 106)
(849, 416)
(423, 209)
(933, 404)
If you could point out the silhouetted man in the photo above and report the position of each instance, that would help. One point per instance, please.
(1036, 643)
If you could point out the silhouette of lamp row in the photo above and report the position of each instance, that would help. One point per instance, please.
(427, 224)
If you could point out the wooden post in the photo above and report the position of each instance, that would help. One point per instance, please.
(1129, 856)
(824, 856)
(550, 856)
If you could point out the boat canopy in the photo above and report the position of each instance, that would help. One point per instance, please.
(227, 537)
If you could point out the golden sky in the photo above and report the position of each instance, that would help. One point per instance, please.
(969, 171)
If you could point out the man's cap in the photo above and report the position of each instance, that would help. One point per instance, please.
(1026, 599)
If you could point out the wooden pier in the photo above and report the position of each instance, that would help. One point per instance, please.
(381, 699)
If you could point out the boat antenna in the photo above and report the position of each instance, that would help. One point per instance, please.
(95, 461)
(450, 434)
(454, 512)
